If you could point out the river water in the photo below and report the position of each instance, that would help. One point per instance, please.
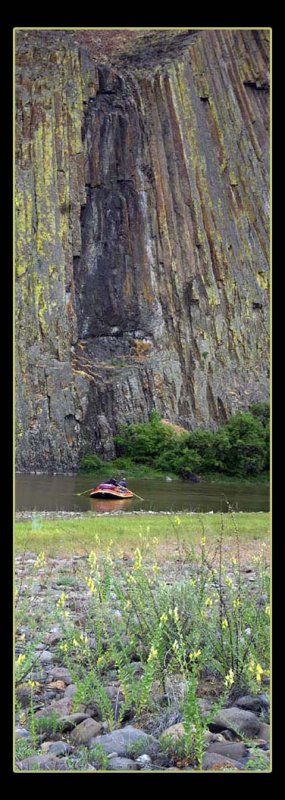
(58, 493)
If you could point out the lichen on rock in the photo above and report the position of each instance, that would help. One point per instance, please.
(142, 216)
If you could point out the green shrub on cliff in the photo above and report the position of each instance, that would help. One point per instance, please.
(240, 447)
(91, 463)
(142, 442)
(248, 450)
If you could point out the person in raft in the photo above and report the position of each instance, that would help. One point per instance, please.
(114, 483)
(120, 484)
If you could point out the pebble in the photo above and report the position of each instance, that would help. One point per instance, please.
(42, 762)
(22, 733)
(119, 763)
(70, 690)
(86, 731)
(46, 657)
(213, 760)
(59, 748)
(143, 760)
(61, 674)
(234, 750)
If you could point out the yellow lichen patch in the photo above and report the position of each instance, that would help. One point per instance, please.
(141, 348)
(233, 179)
(262, 280)
(23, 229)
(84, 374)
(148, 294)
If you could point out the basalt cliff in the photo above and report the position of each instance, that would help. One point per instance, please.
(142, 234)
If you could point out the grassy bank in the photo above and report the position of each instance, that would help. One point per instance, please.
(80, 535)
(124, 467)
(131, 469)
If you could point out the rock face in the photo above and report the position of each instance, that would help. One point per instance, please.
(142, 234)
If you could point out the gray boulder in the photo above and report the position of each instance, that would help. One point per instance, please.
(121, 741)
(234, 750)
(86, 731)
(214, 760)
(118, 763)
(236, 719)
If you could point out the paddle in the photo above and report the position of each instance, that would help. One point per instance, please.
(78, 494)
(137, 495)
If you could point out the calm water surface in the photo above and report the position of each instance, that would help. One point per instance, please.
(58, 493)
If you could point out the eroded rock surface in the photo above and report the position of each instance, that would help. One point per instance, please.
(142, 234)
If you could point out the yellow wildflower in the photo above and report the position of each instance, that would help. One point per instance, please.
(236, 603)
(90, 584)
(229, 581)
(175, 646)
(229, 679)
(203, 541)
(267, 610)
(131, 579)
(155, 540)
(175, 614)
(138, 559)
(258, 673)
(152, 654)
(225, 623)
(251, 667)
(62, 600)
(63, 647)
(33, 684)
(208, 602)
(193, 656)
(92, 558)
(177, 521)
(41, 561)
(163, 618)
(155, 569)
(20, 659)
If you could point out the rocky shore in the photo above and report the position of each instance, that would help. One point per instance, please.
(52, 736)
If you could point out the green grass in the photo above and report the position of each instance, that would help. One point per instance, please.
(56, 537)
(125, 467)
(217, 477)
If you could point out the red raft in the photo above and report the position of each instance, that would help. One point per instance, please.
(107, 491)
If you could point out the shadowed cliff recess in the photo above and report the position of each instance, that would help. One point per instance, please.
(142, 234)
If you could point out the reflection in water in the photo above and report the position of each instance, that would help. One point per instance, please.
(103, 506)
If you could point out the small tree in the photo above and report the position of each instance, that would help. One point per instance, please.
(248, 452)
